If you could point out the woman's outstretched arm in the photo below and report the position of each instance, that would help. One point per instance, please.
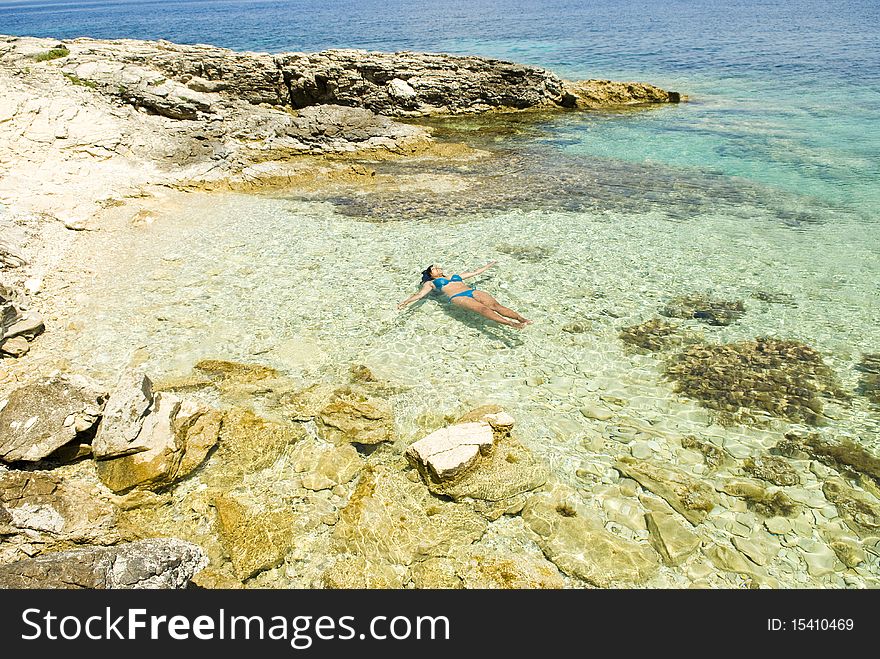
(426, 288)
(478, 271)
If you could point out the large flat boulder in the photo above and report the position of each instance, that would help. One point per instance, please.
(40, 417)
(153, 563)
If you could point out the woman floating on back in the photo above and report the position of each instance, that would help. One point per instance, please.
(462, 295)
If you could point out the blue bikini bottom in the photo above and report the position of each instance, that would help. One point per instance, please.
(467, 293)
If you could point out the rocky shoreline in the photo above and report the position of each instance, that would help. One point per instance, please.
(238, 475)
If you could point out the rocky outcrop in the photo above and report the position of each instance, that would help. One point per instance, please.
(40, 417)
(573, 537)
(449, 452)
(129, 404)
(172, 440)
(155, 563)
(41, 511)
(594, 94)
(114, 116)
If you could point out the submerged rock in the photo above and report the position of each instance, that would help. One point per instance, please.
(705, 309)
(772, 469)
(392, 519)
(860, 511)
(769, 502)
(360, 572)
(573, 537)
(325, 466)
(248, 443)
(691, 498)
(498, 479)
(154, 563)
(526, 253)
(869, 383)
(672, 540)
(254, 539)
(841, 453)
(728, 558)
(772, 297)
(40, 417)
(654, 335)
(483, 568)
(746, 381)
(218, 370)
(355, 417)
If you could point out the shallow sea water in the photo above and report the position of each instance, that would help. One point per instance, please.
(295, 284)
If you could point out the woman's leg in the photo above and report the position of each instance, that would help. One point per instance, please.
(483, 310)
(496, 306)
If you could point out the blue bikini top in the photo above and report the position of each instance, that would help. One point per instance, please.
(441, 282)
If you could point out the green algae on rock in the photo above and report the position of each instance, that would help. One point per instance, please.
(704, 308)
(840, 453)
(860, 510)
(653, 335)
(713, 456)
(744, 382)
(769, 502)
(772, 469)
(869, 383)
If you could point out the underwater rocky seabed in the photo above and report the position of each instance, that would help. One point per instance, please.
(644, 401)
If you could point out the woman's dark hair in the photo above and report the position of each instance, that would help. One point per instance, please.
(426, 273)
